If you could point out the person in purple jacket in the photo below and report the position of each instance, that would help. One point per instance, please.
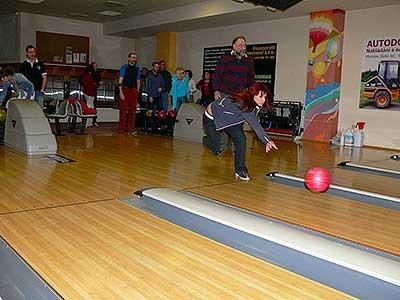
(228, 115)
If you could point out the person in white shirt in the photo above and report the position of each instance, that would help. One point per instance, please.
(192, 85)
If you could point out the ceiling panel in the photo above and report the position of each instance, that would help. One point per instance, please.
(88, 10)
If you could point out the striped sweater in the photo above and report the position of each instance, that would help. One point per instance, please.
(233, 74)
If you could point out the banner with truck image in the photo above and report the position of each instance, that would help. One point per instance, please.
(380, 77)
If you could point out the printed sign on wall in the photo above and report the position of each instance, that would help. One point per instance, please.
(380, 77)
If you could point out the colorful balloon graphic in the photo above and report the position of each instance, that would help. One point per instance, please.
(319, 69)
(333, 47)
(321, 27)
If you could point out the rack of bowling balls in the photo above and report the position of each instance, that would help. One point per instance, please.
(160, 121)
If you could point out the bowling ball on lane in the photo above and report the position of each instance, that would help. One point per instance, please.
(317, 179)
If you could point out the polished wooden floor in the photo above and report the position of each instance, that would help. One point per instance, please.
(109, 250)
(64, 219)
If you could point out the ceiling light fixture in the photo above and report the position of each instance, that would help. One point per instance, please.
(280, 5)
(110, 13)
(32, 1)
(111, 3)
(76, 14)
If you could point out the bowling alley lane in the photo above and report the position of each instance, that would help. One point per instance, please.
(109, 250)
(354, 221)
(388, 164)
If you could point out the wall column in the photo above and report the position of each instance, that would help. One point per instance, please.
(324, 75)
(166, 49)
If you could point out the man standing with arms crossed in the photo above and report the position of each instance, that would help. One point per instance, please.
(129, 85)
(34, 70)
(168, 83)
(155, 85)
(233, 73)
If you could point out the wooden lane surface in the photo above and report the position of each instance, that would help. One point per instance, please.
(114, 166)
(294, 158)
(109, 167)
(388, 164)
(106, 167)
(361, 223)
(109, 250)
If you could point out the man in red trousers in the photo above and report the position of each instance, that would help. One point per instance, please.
(129, 84)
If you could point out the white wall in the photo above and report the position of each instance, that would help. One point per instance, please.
(109, 52)
(291, 35)
(146, 49)
(383, 126)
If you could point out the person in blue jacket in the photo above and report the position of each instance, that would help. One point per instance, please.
(228, 115)
(180, 92)
(23, 88)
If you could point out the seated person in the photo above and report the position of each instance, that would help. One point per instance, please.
(22, 87)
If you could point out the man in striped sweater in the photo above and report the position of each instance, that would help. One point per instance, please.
(234, 71)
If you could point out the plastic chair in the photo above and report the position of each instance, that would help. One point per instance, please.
(63, 109)
(77, 112)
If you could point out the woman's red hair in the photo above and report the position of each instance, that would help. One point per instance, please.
(246, 97)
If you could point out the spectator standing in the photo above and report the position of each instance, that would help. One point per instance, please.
(192, 84)
(180, 92)
(35, 71)
(155, 86)
(97, 78)
(143, 96)
(129, 85)
(205, 86)
(168, 83)
(234, 71)
(89, 88)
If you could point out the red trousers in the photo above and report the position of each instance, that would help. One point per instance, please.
(127, 106)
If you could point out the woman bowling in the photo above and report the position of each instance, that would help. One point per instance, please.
(228, 115)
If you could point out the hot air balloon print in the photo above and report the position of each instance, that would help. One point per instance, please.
(333, 47)
(321, 27)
